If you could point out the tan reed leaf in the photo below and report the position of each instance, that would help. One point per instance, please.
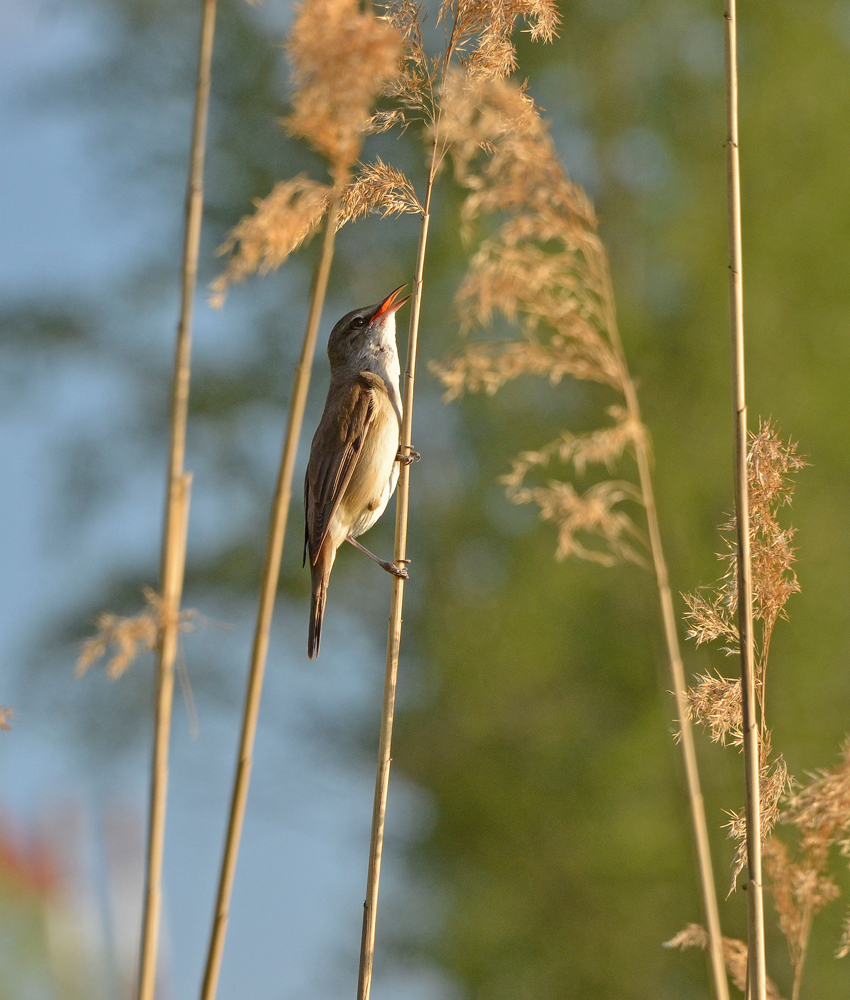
(734, 954)
(287, 217)
(129, 636)
(6, 716)
(378, 187)
(341, 57)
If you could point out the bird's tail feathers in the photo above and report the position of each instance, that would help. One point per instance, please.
(321, 575)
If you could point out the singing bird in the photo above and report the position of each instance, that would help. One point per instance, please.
(354, 459)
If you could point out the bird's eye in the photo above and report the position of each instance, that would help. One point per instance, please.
(358, 321)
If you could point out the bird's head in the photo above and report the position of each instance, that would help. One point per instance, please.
(363, 332)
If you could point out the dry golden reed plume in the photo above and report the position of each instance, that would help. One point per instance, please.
(381, 188)
(817, 815)
(734, 954)
(715, 701)
(340, 59)
(6, 716)
(546, 270)
(130, 637)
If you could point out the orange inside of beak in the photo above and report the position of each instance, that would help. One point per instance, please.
(388, 306)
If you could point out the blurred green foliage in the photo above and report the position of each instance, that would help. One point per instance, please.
(537, 715)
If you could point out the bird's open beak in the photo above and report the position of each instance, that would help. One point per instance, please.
(388, 306)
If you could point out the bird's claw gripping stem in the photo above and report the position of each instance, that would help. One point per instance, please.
(409, 457)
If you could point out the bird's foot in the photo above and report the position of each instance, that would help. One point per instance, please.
(408, 457)
(396, 570)
(390, 567)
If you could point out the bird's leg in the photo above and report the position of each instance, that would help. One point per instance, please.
(390, 567)
(407, 458)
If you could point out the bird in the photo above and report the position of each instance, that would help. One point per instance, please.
(355, 456)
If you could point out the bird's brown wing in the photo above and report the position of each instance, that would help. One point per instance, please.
(349, 413)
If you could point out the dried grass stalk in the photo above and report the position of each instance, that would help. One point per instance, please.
(6, 716)
(480, 36)
(752, 753)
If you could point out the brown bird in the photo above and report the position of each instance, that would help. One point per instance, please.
(354, 459)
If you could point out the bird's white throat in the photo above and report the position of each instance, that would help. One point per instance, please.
(380, 355)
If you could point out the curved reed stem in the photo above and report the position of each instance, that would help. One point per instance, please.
(176, 519)
(674, 659)
(268, 590)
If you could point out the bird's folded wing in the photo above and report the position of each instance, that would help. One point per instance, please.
(333, 458)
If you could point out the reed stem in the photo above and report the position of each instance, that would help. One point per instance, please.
(268, 591)
(176, 520)
(755, 903)
(376, 844)
(674, 658)
(677, 675)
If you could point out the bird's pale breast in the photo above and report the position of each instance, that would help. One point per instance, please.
(375, 477)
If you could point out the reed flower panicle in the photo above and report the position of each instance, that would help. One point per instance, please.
(715, 701)
(815, 817)
(734, 955)
(340, 58)
(546, 270)
(130, 636)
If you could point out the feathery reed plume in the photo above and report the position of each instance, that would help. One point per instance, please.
(734, 955)
(6, 716)
(129, 636)
(546, 271)
(819, 812)
(340, 59)
(285, 219)
(715, 701)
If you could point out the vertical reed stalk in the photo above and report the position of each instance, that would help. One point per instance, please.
(268, 591)
(755, 902)
(176, 519)
(677, 672)
(376, 844)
